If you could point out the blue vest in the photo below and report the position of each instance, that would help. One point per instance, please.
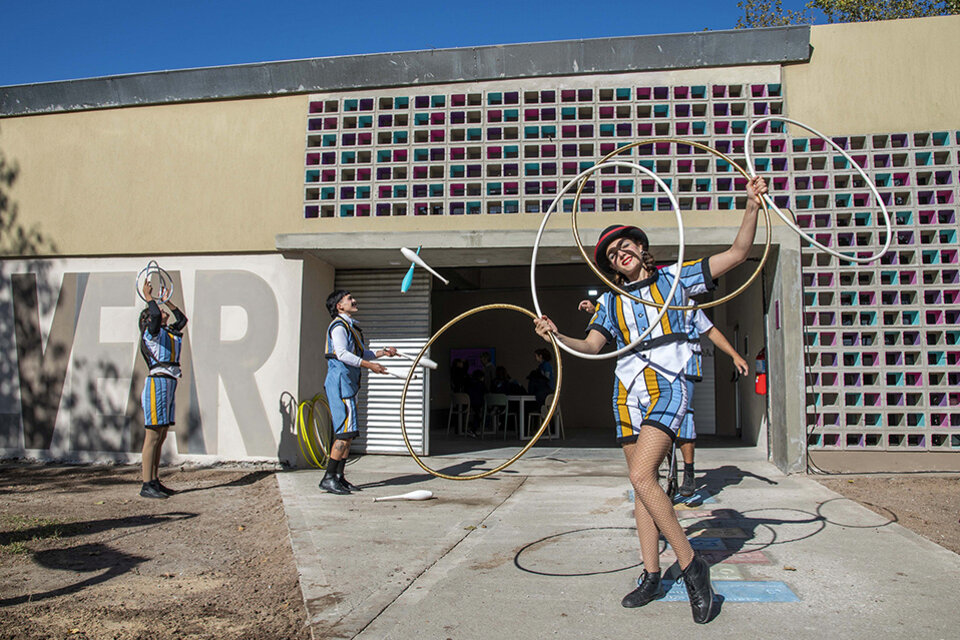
(343, 380)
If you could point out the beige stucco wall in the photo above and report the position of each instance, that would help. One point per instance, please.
(219, 176)
(201, 177)
(878, 77)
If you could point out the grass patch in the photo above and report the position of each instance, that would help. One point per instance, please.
(16, 531)
(14, 549)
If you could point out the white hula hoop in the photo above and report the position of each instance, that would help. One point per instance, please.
(676, 281)
(789, 221)
(166, 282)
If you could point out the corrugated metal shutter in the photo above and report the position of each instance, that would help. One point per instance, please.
(402, 320)
(704, 393)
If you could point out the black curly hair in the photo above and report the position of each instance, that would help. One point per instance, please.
(332, 301)
(144, 319)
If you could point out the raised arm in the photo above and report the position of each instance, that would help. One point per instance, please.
(724, 261)
(155, 317)
(181, 319)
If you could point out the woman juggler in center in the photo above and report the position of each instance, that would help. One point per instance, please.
(651, 397)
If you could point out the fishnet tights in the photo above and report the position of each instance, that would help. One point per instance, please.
(653, 509)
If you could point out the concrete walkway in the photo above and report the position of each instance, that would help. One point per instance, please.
(548, 548)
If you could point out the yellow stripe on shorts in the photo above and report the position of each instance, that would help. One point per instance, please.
(653, 389)
(153, 400)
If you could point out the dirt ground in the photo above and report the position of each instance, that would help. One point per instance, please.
(82, 556)
(928, 505)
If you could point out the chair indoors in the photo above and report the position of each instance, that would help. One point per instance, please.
(496, 411)
(554, 429)
(459, 411)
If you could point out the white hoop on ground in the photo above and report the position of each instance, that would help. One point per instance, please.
(789, 221)
(166, 282)
(676, 281)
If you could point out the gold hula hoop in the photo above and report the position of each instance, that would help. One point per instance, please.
(302, 438)
(303, 433)
(323, 432)
(413, 367)
(650, 303)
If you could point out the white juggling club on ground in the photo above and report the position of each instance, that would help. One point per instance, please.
(419, 494)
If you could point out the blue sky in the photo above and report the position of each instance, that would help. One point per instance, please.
(42, 41)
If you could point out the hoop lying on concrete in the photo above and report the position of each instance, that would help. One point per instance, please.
(789, 220)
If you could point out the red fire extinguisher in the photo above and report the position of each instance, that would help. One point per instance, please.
(760, 382)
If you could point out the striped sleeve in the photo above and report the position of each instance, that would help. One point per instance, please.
(601, 320)
(695, 276)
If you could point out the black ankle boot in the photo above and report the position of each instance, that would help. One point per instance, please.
(330, 482)
(696, 577)
(649, 588)
(689, 485)
(147, 490)
(339, 473)
(349, 485)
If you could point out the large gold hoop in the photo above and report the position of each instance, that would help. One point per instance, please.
(650, 303)
(543, 425)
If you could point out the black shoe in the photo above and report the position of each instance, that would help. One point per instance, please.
(349, 485)
(147, 490)
(649, 588)
(696, 577)
(689, 486)
(330, 484)
(156, 484)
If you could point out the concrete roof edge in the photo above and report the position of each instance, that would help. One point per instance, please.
(774, 45)
(502, 238)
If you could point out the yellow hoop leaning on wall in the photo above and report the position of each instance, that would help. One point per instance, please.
(650, 303)
(322, 429)
(543, 425)
(307, 424)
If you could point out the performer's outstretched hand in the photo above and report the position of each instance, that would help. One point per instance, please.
(740, 364)
(544, 326)
(756, 189)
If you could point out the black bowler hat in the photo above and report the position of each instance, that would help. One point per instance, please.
(610, 234)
